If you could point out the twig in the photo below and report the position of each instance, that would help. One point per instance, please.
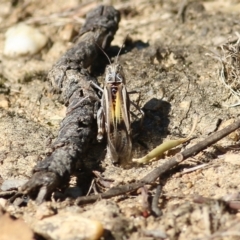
(145, 201)
(156, 210)
(7, 193)
(194, 168)
(157, 172)
(181, 10)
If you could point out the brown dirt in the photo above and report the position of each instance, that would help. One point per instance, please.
(168, 62)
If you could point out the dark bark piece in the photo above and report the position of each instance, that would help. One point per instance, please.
(70, 78)
(100, 27)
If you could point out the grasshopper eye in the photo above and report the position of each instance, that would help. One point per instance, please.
(119, 77)
(109, 78)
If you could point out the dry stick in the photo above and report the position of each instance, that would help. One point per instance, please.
(188, 170)
(181, 10)
(7, 193)
(154, 206)
(157, 172)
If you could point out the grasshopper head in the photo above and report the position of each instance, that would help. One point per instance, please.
(114, 74)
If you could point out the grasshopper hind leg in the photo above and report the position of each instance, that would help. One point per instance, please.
(120, 150)
(111, 151)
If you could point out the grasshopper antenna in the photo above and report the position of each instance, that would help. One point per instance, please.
(121, 48)
(104, 53)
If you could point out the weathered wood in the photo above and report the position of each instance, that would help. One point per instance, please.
(70, 78)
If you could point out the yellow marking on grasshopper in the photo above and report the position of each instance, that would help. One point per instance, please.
(118, 113)
(113, 112)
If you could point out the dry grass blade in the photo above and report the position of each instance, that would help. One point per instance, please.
(159, 150)
(229, 71)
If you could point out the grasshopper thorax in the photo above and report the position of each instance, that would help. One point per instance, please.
(114, 74)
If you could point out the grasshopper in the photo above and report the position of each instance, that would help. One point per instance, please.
(113, 117)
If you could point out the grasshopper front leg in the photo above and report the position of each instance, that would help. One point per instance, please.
(100, 116)
(101, 124)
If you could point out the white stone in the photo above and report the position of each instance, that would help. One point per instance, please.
(22, 40)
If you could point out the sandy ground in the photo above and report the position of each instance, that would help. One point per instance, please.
(170, 62)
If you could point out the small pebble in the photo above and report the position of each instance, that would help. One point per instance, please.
(156, 233)
(14, 229)
(68, 225)
(185, 105)
(4, 103)
(11, 184)
(23, 40)
(3, 202)
(189, 185)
